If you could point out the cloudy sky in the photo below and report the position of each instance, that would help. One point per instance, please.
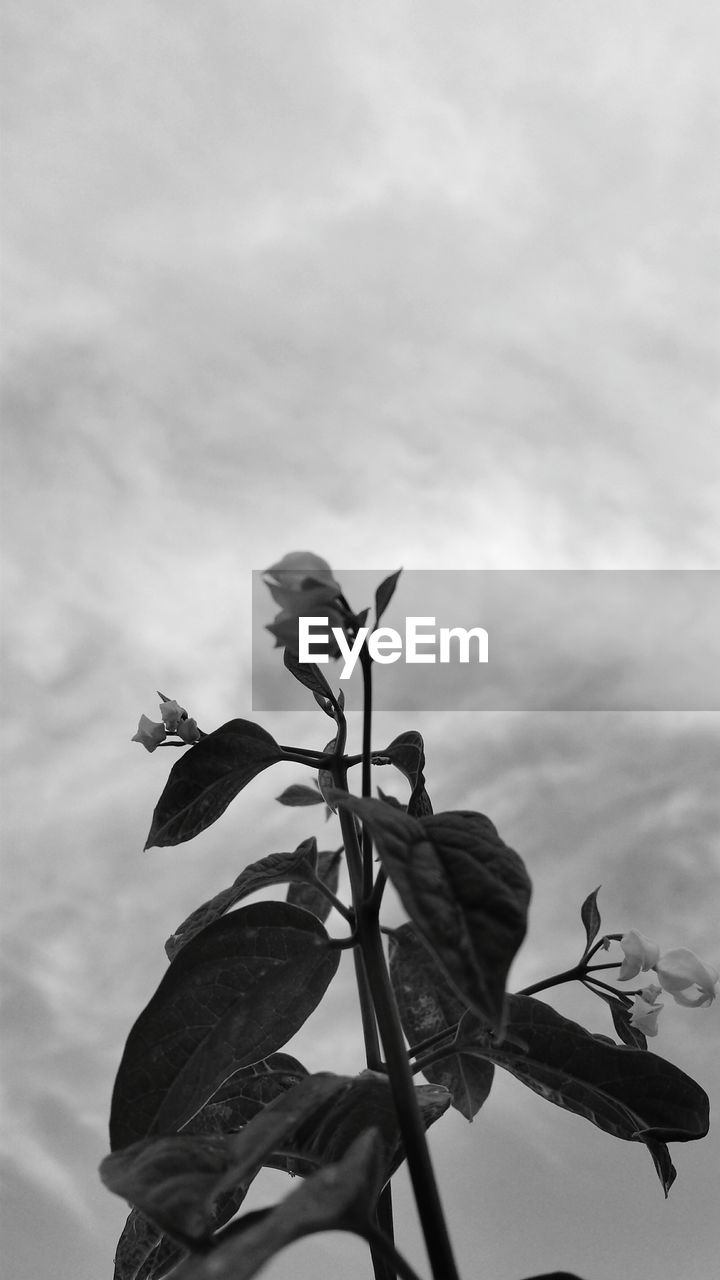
(405, 284)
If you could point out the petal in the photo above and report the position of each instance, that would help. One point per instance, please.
(679, 969)
(297, 566)
(640, 954)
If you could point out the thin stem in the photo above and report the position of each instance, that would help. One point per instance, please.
(613, 964)
(367, 852)
(336, 902)
(304, 756)
(568, 975)
(429, 1043)
(384, 1246)
(430, 1211)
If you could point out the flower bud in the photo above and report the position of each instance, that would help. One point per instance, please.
(172, 714)
(686, 978)
(640, 954)
(188, 731)
(645, 1011)
(302, 569)
(150, 733)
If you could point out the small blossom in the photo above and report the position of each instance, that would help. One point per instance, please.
(150, 733)
(302, 584)
(645, 1011)
(172, 714)
(686, 978)
(188, 731)
(640, 954)
(299, 569)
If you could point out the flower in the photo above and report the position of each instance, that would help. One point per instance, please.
(300, 569)
(640, 954)
(304, 587)
(188, 731)
(172, 714)
(646, 1010)
(150, 733)
(686, 978)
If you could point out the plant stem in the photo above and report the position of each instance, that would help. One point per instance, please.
(386, 1247)
(430, 1211)
(367, 852)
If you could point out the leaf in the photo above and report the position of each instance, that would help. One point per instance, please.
(427, 1006)
(326, 782)
(339, 1197)
(143, 1252)
(234, 994)
(465, 891)
(276, 868)
(629, 1093)
(391, 800)
(207, 777)
(384, 595)
(367, 1103)
(590, 916)
(555, 1275)
(629, 1034)
(309, 674)
(407, 753)
(311, 898)
(246, 1093)
(298, 796)
(178, 1180)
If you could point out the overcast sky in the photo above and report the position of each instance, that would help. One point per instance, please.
(404, 284)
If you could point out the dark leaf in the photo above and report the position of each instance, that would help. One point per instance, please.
(143, 1252)
(325, 779)
(246, 1093)
(428, 1005)
(276, 868)
(311, 898)
(309, 674)
(664, 1167)
(629, 1093)
(391, 800)
(590, 916)
(465, 891)
(339, 1197)
(630, 1035)
(235, 994)
(297, 796)
(366, 1104)
(407, 753)
(207, 777)
(178, 1180)
(384, 595)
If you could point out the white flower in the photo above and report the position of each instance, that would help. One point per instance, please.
(686, 978)
(172, 714)
(640, 954)
(150, 733)
(646, 1010)
(188, 731)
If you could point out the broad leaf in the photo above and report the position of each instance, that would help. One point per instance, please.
(309, 674)
(391, 800)
(629, 1093)
(235, 994)
(384, 594)
(177, 1181)
(428, 1006)
(339, 1197)
(276, 868)
(407, 753)
(143, 1251)
(366, 1104)
(297, 796)
(246, 1093)
(207, 777)
(308, 895)
(465, 891)
(590, 916)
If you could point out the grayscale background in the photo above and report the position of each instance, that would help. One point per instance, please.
(402, 284)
